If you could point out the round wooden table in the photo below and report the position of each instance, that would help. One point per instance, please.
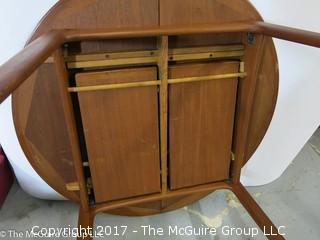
(37, 107)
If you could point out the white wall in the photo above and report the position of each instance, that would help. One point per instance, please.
(296, 115)
(18, 18)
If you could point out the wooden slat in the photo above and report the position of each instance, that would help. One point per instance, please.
(73, 186)
(110, 59)
(110, 55)
(221, 48)
(156, 82)
(163, 72)
(114, 86)
(206, 55)
(139, 54)
(206, 78)
(113, 62)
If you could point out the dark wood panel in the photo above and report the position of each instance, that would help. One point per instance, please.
(201, 117)
(121, 133)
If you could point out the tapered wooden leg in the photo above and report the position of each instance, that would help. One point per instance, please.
(256, 213)
(85, 224)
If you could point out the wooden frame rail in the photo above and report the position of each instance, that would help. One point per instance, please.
(262, 220)
(163, 43)
(102, 207)
(22, 65)
(156, 82)
(112, 59)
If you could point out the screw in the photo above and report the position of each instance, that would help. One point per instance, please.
(250, 37)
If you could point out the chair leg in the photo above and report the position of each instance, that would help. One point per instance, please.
(258, 215)
(85, 224)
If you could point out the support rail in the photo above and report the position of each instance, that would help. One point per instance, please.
(16, 70)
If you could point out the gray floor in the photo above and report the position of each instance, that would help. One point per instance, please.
(292, 201)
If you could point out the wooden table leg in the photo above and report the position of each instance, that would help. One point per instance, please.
(258, 215)
(85, 224)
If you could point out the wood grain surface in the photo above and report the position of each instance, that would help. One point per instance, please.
(208, 121)
(201, 116)
(36, 129)
(75, 14)
(97, 14)
(122, 134)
